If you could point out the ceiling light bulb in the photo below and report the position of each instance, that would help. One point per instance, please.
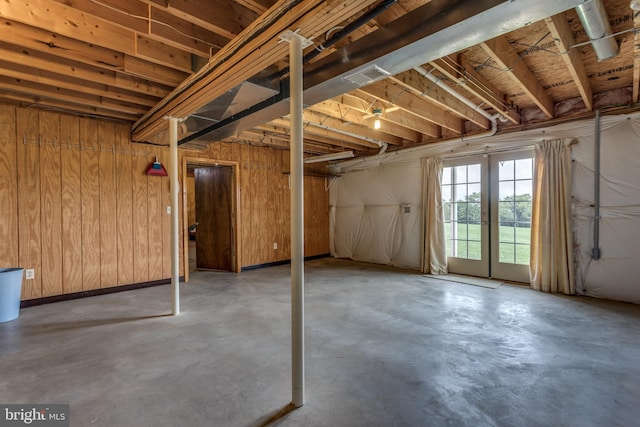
(635, 4)
(376, 124)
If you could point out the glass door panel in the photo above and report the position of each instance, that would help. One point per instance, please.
(464, 196)
(512, 181)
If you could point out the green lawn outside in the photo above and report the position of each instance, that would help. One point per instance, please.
(514, 242)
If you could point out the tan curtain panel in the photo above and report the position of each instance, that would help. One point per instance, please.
(434, 250)
(551, 263)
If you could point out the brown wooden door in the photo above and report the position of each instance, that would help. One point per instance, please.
(214, 209)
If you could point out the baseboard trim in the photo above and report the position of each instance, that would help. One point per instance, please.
(104, 291)
(93, 293)
(283, 262)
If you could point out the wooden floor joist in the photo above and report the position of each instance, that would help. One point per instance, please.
(508, 59)
(240, 60)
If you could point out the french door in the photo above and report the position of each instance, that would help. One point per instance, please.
(487, 213)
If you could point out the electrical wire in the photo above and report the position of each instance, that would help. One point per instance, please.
(629, 30)
(487, 93)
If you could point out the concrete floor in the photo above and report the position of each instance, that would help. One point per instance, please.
(384, 348)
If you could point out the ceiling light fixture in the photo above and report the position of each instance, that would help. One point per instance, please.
(635, 4)
(595, 21)
(377, 112)
(328, 157)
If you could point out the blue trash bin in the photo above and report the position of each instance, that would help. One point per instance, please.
(10, 290)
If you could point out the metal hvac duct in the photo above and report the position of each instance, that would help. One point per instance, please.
(595, 21)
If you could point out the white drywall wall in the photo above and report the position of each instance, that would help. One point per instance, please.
(367, 223)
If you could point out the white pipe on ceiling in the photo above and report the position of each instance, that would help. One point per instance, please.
(383, 145)
(376, 160)
(328, 157)
(438, 82)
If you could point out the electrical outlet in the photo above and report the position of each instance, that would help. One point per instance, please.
(30, 273)
(168, 210)
(275, 246)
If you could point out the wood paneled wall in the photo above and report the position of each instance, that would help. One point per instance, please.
(76, 206)
(190, 186)
(71, 188)
(265, 200)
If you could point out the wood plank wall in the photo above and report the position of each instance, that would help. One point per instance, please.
(265, 202)
(77, 207)
(191, 199)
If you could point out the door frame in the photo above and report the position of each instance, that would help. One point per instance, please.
(506, 271)
(490, 215)
(471, 267)
(235, 209)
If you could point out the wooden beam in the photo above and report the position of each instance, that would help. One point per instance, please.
(420, 85)
(362, 103)
(563, 35)
(87, 53)
(21, 72)
(405, 99)
(281, 140)
(45, 62)
(326, 132)
(351, 115)
(326, 138)
(161, 53)
(257, 6)
(37, 89)
(508, 59)
(468, 79)
(227, 20)
(153, 22)
(156, 73)
(252, 51)
(363, 132)
(75, 24)
(69, 107)
(184, 33)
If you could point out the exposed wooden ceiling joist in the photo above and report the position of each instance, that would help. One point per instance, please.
(118, 58)
(28, 74)
(412, 103)
(512, 65)
(363, 131)
(73, 23)
(326, 132)
(563, 36)
(363, 102)
(156, 24)
(45, 62)
(68, 49)
(352, 116)
(75, 97)
(418, 84)
(463, 74)
(257, 48)
(227, 19)
(56, 104)
(321, 136)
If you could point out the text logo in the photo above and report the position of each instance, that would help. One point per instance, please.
(40, 415)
